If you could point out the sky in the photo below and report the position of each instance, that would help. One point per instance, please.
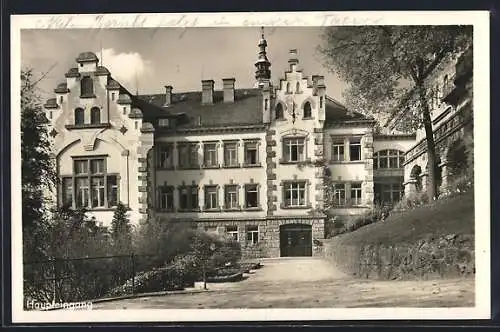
(147, 59)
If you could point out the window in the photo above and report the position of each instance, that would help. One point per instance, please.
(188, 198)
(61, 99)
(297, 88)
(293, 149)
(288, 88)
(112, 96)
(211, 199)
(279, 111)
(321, 102)
(389, 192)
(231, 197)
(307, 110)
(356, 194)
(210, 154)
(232, 232)
(251, 196)
(90, 186)
(388, 159)
(339, 197)
(294, 194)
(355, 148)
(252, 234)
(266, 104)
(79, 116)
(251, 153)
(167, 198)
(87, 87)
(231, 154)
(188, 155)
(50, 115)
(338, 150)
(164, 122)
(165, 156)
(95, 115)
(124, 110)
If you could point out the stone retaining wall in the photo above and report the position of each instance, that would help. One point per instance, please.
(446, 256)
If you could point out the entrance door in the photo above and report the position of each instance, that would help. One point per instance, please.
(295, 240)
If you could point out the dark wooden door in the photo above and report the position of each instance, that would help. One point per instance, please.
(295, 240)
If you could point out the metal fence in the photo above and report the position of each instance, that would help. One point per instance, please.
(79, 279)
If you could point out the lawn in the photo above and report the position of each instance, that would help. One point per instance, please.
(451, 216)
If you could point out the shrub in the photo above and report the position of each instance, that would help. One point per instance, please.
(457, 186)
(412, 201)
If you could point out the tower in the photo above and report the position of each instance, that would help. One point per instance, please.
(263, 73)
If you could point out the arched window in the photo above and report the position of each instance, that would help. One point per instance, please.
(279, 111)
(388, 159)
(95, 115)
(297, 88)
(288, 88)
(87, 87)
(79, 116)
(307, 110)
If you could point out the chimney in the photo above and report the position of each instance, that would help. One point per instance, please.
(168, 95)
(207, 92)
(228, 86)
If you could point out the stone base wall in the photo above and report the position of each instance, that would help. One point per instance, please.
(269, 234)
(447, 256)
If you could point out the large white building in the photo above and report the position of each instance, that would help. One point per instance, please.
(246, 162)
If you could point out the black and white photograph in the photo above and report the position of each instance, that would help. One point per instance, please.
(250, 166)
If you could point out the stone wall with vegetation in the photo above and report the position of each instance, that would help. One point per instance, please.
(444, 256)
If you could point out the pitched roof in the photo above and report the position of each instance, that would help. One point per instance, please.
(246, 108)
(335, 112)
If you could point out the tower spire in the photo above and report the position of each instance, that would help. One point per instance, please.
(263, 73)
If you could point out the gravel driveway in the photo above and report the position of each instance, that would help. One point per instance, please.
(310, 283)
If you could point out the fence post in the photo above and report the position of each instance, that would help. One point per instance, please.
(133, 273)
(54, 295)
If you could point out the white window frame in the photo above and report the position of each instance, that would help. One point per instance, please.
(338, 189)
(336, 146)
(166, 196)
(230, 191)
(210, 154)
(232, 232)
(252, 234)
(357, 192)
(289, 143)
(230, 154)
(295, 188)
(211, 197)
(252, 188)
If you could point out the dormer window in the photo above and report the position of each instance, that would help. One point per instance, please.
(164, 122)
(79, 116)
(307, 110)
(87, 87)
(95, 115)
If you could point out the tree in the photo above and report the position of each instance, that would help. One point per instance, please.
(386, 67)
(121, 231)
(37, 170)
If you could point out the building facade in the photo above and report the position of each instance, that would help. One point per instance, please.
(451, 105)
(249, 163)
